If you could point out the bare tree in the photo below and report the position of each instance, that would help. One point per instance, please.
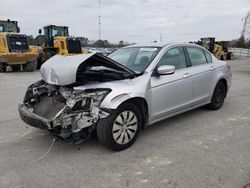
(246, 26)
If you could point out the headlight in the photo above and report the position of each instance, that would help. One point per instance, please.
(98, 95)
(83, 99)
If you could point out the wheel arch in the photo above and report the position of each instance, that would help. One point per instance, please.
(142, 105)
(224, 82)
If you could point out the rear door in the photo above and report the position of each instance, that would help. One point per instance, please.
(202, 74)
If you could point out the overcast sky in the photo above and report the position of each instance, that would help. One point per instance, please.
(132, 20)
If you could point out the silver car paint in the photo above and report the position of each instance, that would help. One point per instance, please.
(166, 95)
(61, 70)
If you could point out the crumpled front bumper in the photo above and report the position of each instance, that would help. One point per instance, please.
(32, 119)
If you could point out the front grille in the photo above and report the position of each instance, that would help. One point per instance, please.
(18, 43)
(74, 46)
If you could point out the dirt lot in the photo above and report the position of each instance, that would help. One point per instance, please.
(200, 148)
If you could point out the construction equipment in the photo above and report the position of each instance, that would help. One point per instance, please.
(9, 26)
(219, 49)
(57, 41)
(14, 48)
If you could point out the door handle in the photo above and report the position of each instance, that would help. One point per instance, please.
(186, 75)
(212, 68)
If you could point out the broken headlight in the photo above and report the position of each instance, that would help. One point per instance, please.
(83, 100)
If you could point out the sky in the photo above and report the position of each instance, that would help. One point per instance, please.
(132, 20)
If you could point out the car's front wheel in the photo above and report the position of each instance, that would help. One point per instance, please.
(121, 128)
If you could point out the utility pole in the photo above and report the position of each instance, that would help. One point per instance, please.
(99, 1)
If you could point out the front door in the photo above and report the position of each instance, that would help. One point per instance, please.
(171, 93)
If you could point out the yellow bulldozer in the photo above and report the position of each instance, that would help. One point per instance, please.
(14, 48)
(57, 41)
(219, 49)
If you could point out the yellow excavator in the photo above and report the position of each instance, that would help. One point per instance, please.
(14, 48)
(219, 49)
(57, 41)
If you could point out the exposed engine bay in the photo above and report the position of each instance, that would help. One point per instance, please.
(69, 114)
(60, 103)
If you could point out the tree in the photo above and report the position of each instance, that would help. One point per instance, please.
(31, 40)
(121, 43)
(102, 43)
(246, 26)
(40, 40)
(84, 41)
(244, 40)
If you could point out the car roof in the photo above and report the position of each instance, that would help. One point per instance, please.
(161, 44)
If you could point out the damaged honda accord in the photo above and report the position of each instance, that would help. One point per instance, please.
(118, 95)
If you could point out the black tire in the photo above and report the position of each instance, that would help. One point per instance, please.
(30, 66)
(2, 67)
(39, 60)
(16, 68)
(105, 132)
(218, 97)
(229, 56)
(49, 54)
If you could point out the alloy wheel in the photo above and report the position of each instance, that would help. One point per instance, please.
(125, 127)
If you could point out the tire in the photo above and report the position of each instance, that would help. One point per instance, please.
(30, 66)
(49, 54)
(229, 56)
(39, 61)
(121, 128)
(218, 97)
(2, 67)
(16, 68)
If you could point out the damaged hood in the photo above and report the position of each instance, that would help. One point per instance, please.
(66, 70)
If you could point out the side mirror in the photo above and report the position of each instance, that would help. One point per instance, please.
(166, 69)
(40, 31)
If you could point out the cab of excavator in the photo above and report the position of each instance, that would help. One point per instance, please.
(208, 43)
(52, 31)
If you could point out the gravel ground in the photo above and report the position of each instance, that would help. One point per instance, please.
(200, 148)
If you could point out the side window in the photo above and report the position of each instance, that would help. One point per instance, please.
(208, 56)
(196, 55)
(175, 57)
(1, 28)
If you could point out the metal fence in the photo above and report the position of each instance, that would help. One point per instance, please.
(240, 52)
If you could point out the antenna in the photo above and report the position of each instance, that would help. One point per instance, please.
(161, 37)
(99, 1)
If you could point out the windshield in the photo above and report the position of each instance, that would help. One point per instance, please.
(136, 59)
(1, 28)
(58, 31)
(8, 27)
(205, 42)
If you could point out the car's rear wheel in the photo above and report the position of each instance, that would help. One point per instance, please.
(218, 97)
(121, 128)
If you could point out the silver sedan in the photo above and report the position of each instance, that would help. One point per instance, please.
(118, 95)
